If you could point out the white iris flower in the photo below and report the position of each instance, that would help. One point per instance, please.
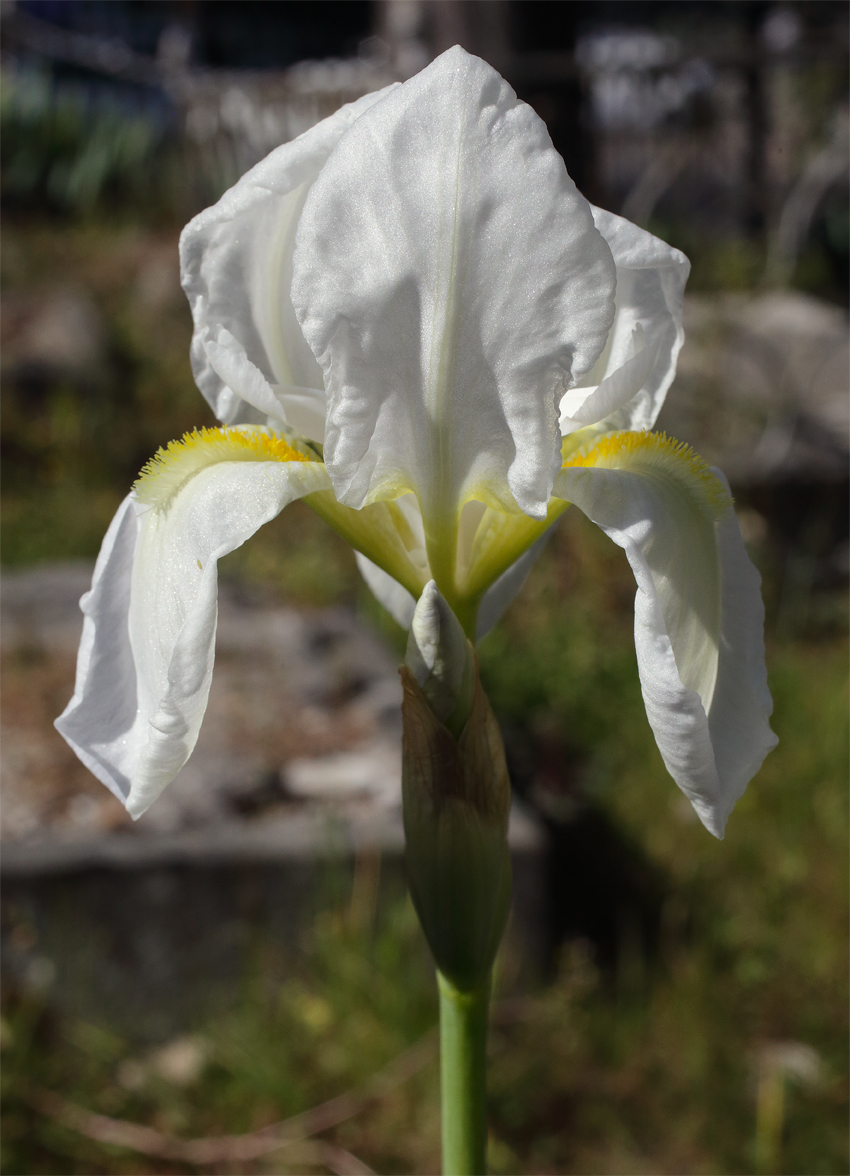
(412, 319)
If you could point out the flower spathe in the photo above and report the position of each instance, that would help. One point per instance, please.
(412, 319)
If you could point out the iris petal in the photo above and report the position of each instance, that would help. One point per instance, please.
(146, 658)
(236, 266)
(651, 277)
(698, 611)
(451, 282)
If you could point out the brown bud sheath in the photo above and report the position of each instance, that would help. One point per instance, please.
(456, 804)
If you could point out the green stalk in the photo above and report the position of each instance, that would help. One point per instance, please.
(463, 1057)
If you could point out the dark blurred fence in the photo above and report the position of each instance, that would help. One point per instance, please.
(721, 126)
(720, 120)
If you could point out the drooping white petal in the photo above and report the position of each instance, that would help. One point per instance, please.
(236, 267)
(395, 598)
(737, 721)
(450, 280)
(501, 594)
(104, 705)
(651, 278)
(698, 612)
(146, 659)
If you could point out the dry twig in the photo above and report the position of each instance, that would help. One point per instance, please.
(219, 1149)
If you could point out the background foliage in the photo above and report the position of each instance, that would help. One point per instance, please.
(691, 984)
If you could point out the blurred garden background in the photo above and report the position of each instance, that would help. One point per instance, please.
(664, 1002)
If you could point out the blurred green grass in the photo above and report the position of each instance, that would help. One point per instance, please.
(650, 1068)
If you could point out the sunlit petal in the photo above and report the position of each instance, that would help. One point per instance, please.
(302, 409)
(651, 278)
(582, 407)
(698, 612)
(233, 367)
(236, 267)
(99, 719)
(450, 280)
(737, 721)
(146, 661)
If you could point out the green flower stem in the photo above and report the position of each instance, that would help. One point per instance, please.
(463, 1058)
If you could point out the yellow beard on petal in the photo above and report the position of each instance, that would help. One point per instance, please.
(173, 465)
(646, 452)
(499, 539)
(378, 531)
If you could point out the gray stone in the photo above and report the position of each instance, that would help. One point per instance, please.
(295, 781)
(302, 734)
(763, 387)
(59, 333)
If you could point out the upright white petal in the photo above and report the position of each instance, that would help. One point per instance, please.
(698, 612)
(146, 658)
(302, 409)
(651, 277)
(236, 267)
(590, 406)
(450, 280)
(228, 360)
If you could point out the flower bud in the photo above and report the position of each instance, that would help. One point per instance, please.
(441, 659)
(456, 794)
